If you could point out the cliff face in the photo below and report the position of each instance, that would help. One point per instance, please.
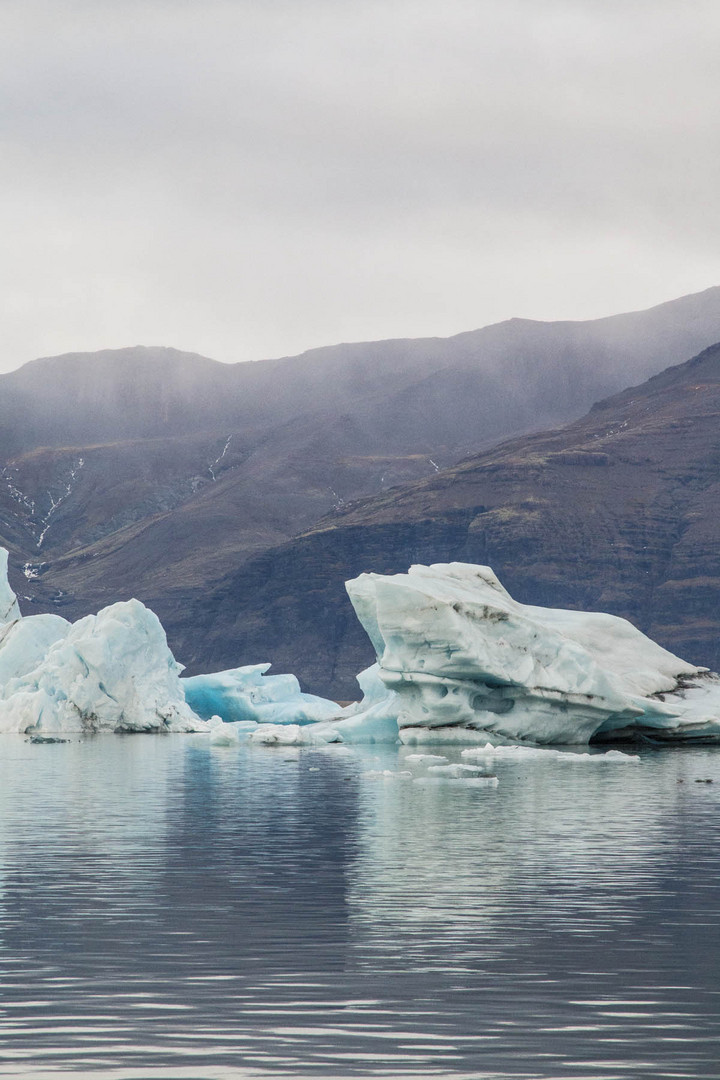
(619, 511)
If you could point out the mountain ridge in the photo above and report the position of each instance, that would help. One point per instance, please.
(146, 391)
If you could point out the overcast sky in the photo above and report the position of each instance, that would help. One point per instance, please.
(251, 178)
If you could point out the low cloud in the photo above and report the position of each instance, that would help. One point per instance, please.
(251, 179)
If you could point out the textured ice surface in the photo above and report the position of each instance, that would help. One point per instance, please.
(371, 720)
(374, 718)
(470, 664)
(9, 609)
(247, 693)
(275, 702)
(108, 672)
(25, 642)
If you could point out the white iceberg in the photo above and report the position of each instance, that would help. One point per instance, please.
(459, 661)
(108, 672)
(470, 664)
(247, 693)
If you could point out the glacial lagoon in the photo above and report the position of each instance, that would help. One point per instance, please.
(172, 909)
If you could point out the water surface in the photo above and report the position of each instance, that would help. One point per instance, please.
(170, 909)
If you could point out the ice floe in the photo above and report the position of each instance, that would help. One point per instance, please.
(294, 734)
(536, 753)
(455, 772)
(481, 780)
(388, 774)
(248, 693)
(222, 734)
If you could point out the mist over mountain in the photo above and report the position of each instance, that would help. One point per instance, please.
(164, 475)
(448, 394)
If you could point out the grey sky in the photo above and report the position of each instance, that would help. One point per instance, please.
(250, 179)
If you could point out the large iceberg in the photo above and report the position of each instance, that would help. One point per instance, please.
(467, 663)
(108, 672)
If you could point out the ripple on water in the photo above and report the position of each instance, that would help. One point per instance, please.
(170, 909)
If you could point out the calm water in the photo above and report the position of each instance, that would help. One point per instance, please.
(170, 909)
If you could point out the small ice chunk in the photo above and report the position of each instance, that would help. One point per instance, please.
(457, 772)
(460, 781)
(294, 734)
(222, 734)
(613, 757)
(537, 753)
(426, 759)
(387, 774)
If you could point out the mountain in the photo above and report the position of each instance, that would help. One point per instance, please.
(157, 473)
(619, 512)
(450, 395)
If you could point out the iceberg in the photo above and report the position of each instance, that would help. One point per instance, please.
(458, 661)
(468, 664)
(107, 672)
(247, 693)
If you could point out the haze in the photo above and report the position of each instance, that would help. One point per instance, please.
(251, 179)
